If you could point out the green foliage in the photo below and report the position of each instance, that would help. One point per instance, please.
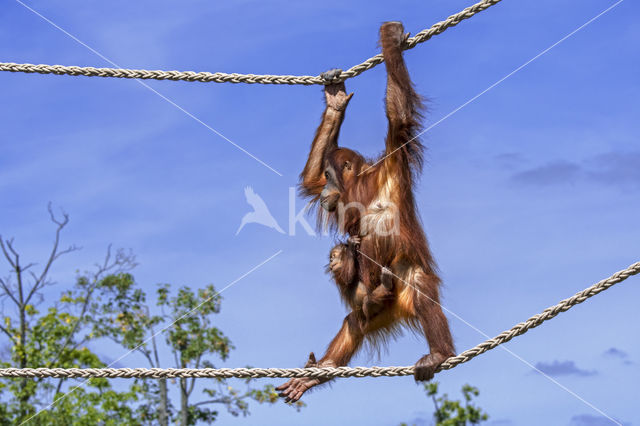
(117, 309)
(104, 406)
(107, 304)
(192, 334)
(120, 312)
(52, 338)
(455, 413)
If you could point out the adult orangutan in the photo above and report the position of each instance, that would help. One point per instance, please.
(373, 202)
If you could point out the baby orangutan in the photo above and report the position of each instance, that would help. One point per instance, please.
(343, 266)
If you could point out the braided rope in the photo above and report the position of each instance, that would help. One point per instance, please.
(220, 77)
(327, 372)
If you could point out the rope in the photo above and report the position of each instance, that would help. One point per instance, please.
(327, 372)
(220, 77)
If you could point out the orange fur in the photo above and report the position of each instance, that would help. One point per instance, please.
(383, 190)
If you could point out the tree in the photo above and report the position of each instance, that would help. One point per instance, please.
(121, 314)
(47, 336)
(107, 303)
(455, 413)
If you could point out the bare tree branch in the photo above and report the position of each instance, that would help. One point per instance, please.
(69, 249)
(12, 250)
(6, 252)
(59, 387)
(8, 292)
(56, 242)
(175, 356)
(60, 223)
(154, 345)
(24, 268)
(5, 331)
(223, 400)
(147, 355)
(193, 381)
(39, 281)
(75, 347)
(107, 259)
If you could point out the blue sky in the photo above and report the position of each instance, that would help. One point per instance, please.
(529, 194)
